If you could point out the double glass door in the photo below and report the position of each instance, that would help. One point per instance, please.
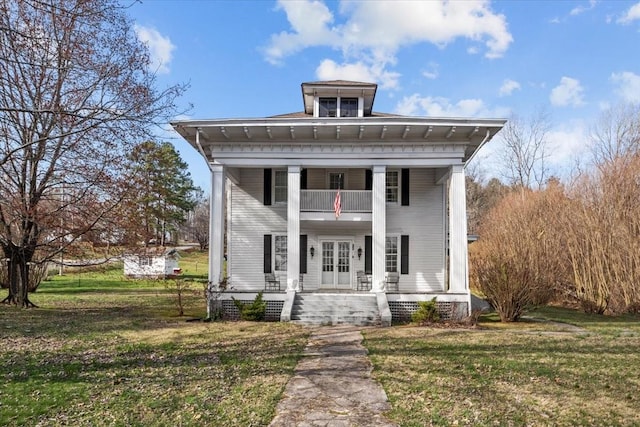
(336, 264)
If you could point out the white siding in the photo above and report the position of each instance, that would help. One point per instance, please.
(251, 220)
(423, 221)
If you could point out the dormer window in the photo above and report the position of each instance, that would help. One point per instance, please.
(328, 107)
(348, 107)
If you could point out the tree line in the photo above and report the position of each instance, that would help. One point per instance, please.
(574, 242)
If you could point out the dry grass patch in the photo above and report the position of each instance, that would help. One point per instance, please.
(530, 374)
(93, 357)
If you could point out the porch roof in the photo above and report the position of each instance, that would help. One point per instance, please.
(210, 137)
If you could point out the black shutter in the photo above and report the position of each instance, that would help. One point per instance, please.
(267, 188)
(367, 254)
(303, 179)
(303, 254)
(404, 254)
(267, 253)
(405, 187)
(368, 179)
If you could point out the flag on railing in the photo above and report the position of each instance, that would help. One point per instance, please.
(337, 204)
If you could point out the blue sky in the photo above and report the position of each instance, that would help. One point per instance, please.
(429, 58)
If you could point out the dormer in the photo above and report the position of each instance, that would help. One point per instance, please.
(338, 98)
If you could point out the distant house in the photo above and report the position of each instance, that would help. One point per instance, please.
(160, 263)
(338, 213)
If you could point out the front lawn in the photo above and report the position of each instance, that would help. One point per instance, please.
(102, 350)
(526, 373)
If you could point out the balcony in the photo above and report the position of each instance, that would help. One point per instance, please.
(351, 201)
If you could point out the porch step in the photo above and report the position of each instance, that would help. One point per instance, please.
(335, 309)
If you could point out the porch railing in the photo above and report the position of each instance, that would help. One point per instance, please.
(322, 200)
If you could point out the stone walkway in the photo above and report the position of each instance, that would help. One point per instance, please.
(332, 385)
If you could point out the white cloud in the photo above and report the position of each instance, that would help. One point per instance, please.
(582, 8)
(431, 73)
(632, 14)
(358, 71)
(628, 85)
(508, 86)
(376, 30)
(416, 105)
(567, 143)
(160, 48)
(568, 92)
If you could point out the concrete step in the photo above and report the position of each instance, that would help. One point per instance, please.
(336, 309)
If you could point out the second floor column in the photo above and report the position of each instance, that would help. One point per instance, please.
(378, 228)
(293, 228)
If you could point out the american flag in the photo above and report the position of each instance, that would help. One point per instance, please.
(337, 205)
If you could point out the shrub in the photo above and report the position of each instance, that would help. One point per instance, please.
(254, 311)
(426, 313)
(520, 260)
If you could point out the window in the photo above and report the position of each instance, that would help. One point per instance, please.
(391, 254)
(328, 107)
(144, 261)
(392, 186)
(348, 107)
(280, 187)
(336, 180)
(280, 253)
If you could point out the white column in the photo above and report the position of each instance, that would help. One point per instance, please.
(293, 228)
(379, 228)
(458, 276)
(216, 224)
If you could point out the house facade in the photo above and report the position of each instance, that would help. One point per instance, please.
(340, 202)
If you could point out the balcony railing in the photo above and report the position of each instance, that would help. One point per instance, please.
(322, 200)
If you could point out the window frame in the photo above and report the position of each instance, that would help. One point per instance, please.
(279, 248)
(324, 110)
(387, 187)
(277, 172)
(145, 260)
(389, 256)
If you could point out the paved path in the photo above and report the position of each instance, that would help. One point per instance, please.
(332, 385)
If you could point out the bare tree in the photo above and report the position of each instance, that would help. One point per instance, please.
(616, 134)
(526, 150)
(75, 94)
(198, 223)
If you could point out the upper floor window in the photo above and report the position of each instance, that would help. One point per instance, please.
(336, 180)
(348, 107)
(328, 107)
(392, 186)
(280, 186)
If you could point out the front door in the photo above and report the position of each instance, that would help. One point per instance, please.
(336, 264)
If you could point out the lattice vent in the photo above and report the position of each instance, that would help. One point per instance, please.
(401, 310)
(272, 313)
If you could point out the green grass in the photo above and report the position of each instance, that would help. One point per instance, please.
(102, 350)
(526, 373)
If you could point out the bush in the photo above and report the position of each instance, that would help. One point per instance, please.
(254, 311)
(520, 261)
(427, 313)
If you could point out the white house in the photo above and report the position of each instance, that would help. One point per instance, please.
(357, 215)
(160, 263)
